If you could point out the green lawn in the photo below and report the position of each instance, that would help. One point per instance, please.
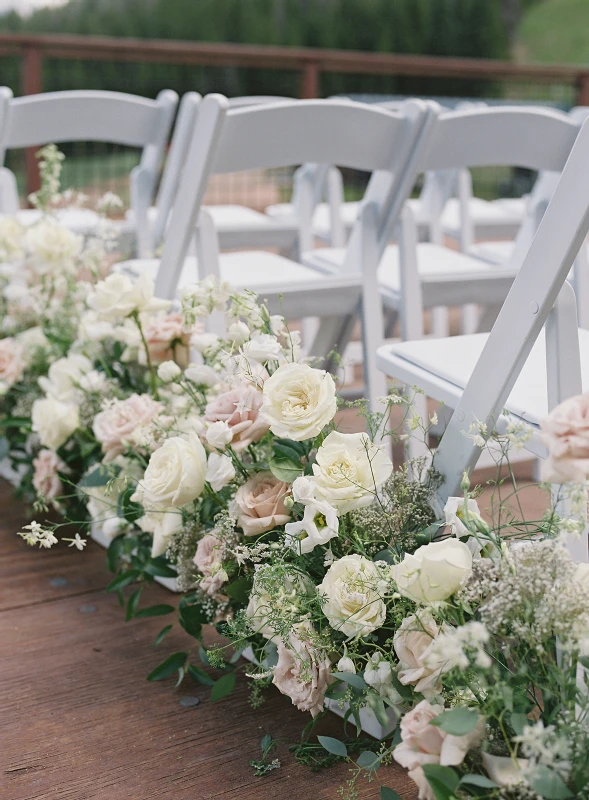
(555, 31)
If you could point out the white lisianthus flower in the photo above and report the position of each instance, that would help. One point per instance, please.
(379, 675)
(318, 526)
(94, 381)
(53, 247)
(165, 524)
(456, 510)
(434, 572)
(220, 471)
(303, 490)
(219, 435)
(298, 401)
(54, 421)
(345, 664)
(201, 375)
(63, 377)
(175, 474)
(238, 333)
(204, 342)
(119, 296)
(262, 347)
(349, 469)
(353, 588)
(168, 371)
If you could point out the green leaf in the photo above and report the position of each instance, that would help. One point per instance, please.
(158, 567)
(123, 579)
(548, 784)
(388, 794)
(132, 604)
(584, 661)
(428, 534)
(200, 676)
(4, 447)
(155, 611)
(368, 760)
(99, 476)
(181, 674)
(478, 780)
(285, 469)
(113, 554)
(162, 634)
(457, 721)
(239, 589)
(299, 447)
(223, 686)
(357, 681)
(333, 746)
(127, 509)
(387, 555)
(286, 451)
(192, 619)
(443, 780)
(518, 723)
(172, 663)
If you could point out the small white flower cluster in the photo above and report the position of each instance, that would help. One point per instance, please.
(35, 533)
(461, 647)
(544, 746)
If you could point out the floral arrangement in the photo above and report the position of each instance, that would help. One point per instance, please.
(217, 459)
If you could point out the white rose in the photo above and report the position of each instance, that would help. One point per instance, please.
(165, 524)
(298, 401)
(94, 329)
(53, 248)
(434, 572)
(262, 347)
(11, 239)
(318, 526)
(32, 340)
(168, 371)
(204, 341)
(303, 490)
(220, 471)
(349, 469)
(119, 296)
(353, 587)
(175, 474)
(201, 375)
(219, 435)
(54, 421)
(94, 381)
(63, 377)
(238, 333)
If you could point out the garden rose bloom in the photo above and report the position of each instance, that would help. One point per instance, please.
(12, 365)
(46, 479)
(166, 341)
(434, 572)
(565, 432)
(299, 401)
(119, 296)
(115, 425)
(303, 670)
(208, 561)
(352, 588)
(53, 247)
(260, 504)
(175, 474)
(412, 642)
(64, 375)
(54, 421)
(422, 743)
(349, 469)
(11, 239)
(239, 408)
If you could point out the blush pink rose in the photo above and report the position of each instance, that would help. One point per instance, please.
(413, 643)
(423, 743)
(166, 341)
(208, 561)
(12, 365)
(115, 425)
(239, 408)
(565, 432)
(260, 504)
(46, 479)
(303, 670)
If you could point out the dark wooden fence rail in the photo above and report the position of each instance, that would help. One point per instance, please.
(310, 63)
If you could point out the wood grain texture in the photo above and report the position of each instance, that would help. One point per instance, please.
(79, 721)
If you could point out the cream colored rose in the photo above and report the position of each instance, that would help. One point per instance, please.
(259, 504)
(303, 669)
(423, 743)
(353, 589)
(175, 474)
(565, 432)
(298, 401)
(413, 643)
(54, 421)
(434, 572)
(239, 408)
(208, 560)
(64, 375)
(53, 247)
(11, 239)
(46, 480)
(349, 469)
(115, 426)
(12, 365)
(118, 296)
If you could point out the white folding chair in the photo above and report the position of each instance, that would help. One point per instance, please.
(515, 367)
(92, 116)
(286, 134)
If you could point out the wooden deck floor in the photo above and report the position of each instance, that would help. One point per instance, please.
(78, 720)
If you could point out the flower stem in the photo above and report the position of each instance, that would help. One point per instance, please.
(152, 372)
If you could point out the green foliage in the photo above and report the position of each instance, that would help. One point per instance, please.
(457, 721)
(171, 664)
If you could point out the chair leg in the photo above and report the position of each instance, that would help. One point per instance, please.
(333, 334)
(469, 318)
(439, 322)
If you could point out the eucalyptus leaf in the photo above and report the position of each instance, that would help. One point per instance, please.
(285, 469)
(223, 686)
(443, 780)
(478, 780)
(457, 721)
(368, 760)
(333, 746)
(518, 722)
(99, 476)
(357, 681)
(548, 784)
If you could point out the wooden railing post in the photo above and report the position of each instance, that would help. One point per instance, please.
(582, 89)
(32, 83)
(310, 81)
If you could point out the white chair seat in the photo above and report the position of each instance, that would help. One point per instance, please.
(442, 367)
(493, 252)
(269, 275)
(488, 219)
(79, 220)
(447, 276)
(518, 206)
